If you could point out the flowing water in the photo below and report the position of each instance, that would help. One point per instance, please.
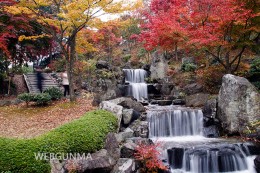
(180, 129)
(137, 86)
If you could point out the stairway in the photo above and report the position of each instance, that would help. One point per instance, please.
(31, 82)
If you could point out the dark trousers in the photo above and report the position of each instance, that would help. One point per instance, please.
(66, 90)
(39, 85)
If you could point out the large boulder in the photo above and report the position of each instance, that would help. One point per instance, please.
(100, 161)
(129, 103)
(193, 88)
(114, 108)
(238, 103)
(130, 115)
(159, 66)
(112, 146)
(196, 100)
(210, 108)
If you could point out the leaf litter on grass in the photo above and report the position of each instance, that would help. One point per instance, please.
(19, 121)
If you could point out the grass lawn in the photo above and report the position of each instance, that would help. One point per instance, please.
(22, 122)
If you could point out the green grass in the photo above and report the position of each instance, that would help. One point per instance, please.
(84, 135)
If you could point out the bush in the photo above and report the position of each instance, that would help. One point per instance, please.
(188, 67)
(127, 57)
(84, 135)
(42, 98)
(54, 92)
(149, 156)
(254, 72)
(27, 97)
(211, 78)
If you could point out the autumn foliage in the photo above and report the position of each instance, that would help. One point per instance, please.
(149, 156)
(222, 28)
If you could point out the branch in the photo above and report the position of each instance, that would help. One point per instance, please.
(238, 55)
(217, 57)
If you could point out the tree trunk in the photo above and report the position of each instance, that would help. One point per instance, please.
(176, 52)
(71, 61)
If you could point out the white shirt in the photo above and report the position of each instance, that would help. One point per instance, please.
(65, 80)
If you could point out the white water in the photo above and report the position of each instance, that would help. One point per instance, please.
(175, 123)
(179, 130)
(137, 86)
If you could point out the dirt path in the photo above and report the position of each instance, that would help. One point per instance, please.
(22, 122)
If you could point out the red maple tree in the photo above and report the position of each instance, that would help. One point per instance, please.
(222, 28)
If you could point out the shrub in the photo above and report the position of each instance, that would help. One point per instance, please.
(84, 135)
(211, 78)
(42, 98)
(148, 155)
(127, 57)
(188, 67)
(27, 97)
(254, 72)
(54, 92)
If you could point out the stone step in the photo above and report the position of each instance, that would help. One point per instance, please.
(31, 81)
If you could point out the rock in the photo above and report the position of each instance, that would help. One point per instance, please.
(166, 88)
(5, 102)
(127, 115)
(143, 116)
(178, 102)
(124, 165)
(254, 135)
(102, 65)
(57, 166)
(196, 100)
(139, 140)
(161, 102)
(129, 103)
(99, 162)
(20, 85)
(188, 60)
(128, 150)
(159, 66)
(193, 88)
(238, 104)
(108, 94)
(112, 107)
(257, 163)
(140, 128)
(210, 108)
(146, 67)
(16, 102)
(112, 146)
(122, 136)
(211, 131)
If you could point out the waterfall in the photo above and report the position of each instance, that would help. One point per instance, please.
(137, 86)
(210, 159)
(169, 123)
(179, 129)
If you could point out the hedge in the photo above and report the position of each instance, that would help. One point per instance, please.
(84, 135)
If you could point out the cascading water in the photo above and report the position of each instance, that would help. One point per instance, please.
(178, 127)
(137, 86)
(168, 123)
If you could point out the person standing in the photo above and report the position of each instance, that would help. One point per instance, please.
(65, 83)
(39, 78)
